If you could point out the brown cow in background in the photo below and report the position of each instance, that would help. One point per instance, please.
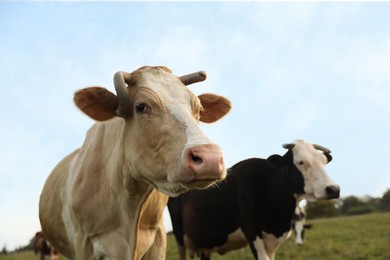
(43, 249)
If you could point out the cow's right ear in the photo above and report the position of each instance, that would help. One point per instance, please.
(96, 102)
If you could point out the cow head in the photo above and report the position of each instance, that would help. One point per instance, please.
(298, 225)
(310, 160)
(162, 142)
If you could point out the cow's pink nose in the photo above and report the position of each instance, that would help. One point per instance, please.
(205, 162)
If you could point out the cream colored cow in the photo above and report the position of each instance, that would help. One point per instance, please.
(105, 200)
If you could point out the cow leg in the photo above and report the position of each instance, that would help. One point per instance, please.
(269, 244)
(259, 250)
(303, 234)
(157, 249)
(182, 252)
(82, 248)
(54, 255)
(108, 246)
(205, 256)
(112, 246)
(298, 230)
(191, 246)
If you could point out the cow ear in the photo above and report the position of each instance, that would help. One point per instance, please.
(214, 107)
(276, 159)
(96, 102)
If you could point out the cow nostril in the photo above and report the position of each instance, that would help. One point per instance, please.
(196, 159)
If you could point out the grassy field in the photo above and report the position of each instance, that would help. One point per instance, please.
(29, 255)
(362, 237)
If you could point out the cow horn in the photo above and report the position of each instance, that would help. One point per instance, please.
(288, 146)
(123, 109)
(193, 78)
(321, 148)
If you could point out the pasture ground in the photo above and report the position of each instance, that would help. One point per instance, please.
(363, 237)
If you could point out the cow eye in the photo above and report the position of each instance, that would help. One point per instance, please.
(301, 163)
(141, 108)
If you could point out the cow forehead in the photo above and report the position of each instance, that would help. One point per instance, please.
(167, 86)
(181, 103)
(173, 94)
(306, 151)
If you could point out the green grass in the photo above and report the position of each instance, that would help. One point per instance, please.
(28, 255)
(348, 238)
(364, 237)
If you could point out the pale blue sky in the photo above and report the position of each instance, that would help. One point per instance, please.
(313, 71)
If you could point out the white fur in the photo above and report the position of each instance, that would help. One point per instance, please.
(267, 246)
(261, 250)
(194, 134)
(313, 170)
(298, 232)
(98, 249)
(234, 241)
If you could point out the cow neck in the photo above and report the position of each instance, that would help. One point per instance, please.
(110, 136)
(136, 192)
(112, 168)
(295, 176)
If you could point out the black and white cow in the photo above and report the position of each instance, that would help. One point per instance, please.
(298, 225)
(254, 204)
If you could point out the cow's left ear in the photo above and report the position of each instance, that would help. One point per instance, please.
(276, 159)
(214, 107)
(328, 157)
(96, 102)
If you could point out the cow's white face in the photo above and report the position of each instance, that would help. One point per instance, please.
(311, 163)
(298, 224)
(163, 144)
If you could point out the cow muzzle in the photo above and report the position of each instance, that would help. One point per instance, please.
(332, 192)
(203, 165)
